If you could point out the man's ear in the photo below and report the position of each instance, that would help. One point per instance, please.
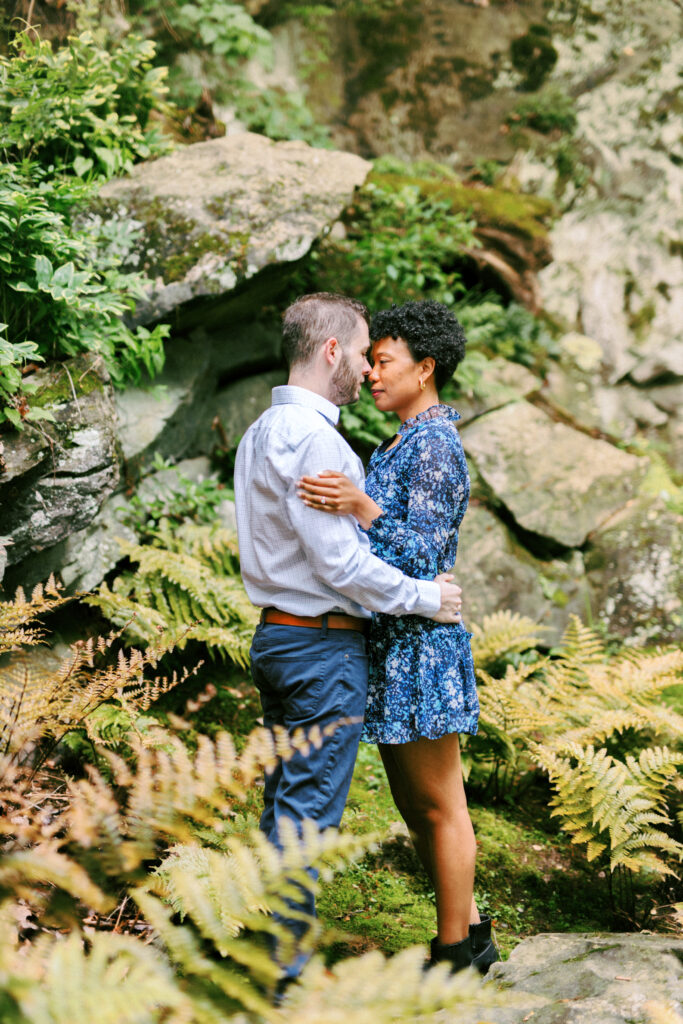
(331, 349)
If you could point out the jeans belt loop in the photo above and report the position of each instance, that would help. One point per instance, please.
(323, 628)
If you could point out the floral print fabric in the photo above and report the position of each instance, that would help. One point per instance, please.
(421, 681)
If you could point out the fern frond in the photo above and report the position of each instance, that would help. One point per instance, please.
(370, 988)
(19, 624)
(190, 587)
(501, 634)
(612, 804)
(113, 979)
(580, 646)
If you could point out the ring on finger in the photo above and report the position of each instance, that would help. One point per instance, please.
(323, 500)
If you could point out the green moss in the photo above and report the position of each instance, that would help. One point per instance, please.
(640, 319)
(218, 206)
(523, 214)
(177, 266)
(526, 878)
(76, 376)
(534, 56)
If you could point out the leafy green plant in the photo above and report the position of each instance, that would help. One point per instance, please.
(80, 107)
(64, 114)
(550, 109)
(181, 500)
(62, 289)
(364, 422)
(279, 115)
(508, 331)
(400, 245)
(203, 44)
(14, 406)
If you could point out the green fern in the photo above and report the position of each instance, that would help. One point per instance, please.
(187, 584)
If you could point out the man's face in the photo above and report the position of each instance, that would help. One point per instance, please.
(352, 368)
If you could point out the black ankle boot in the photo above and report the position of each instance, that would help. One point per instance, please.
(484, 952)
(458, 954)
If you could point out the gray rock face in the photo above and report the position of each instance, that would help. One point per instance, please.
(498, 574)
(216, 213)
(616, 270)
(56, 479)
(499, 383)
(588, 979)
(238, 405)
(166, 416)
(556, 482)
(635, 566)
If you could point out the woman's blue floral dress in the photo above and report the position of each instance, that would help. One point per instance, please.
(421, 672)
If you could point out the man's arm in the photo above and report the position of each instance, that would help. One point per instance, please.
(338, 556)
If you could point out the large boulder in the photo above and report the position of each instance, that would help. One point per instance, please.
(217, 213)
(589, 979)
(499, 382)
(165, 417)
(635, 568)
(56, 476)
(498, 574)
(556, 482)
(616, 272)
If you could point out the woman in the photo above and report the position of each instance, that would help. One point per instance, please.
(422, 690)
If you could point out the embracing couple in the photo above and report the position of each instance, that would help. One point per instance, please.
(322, 548)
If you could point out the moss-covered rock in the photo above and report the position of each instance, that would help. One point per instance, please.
(511, 227)
(556, 482)
(56, 476)
(217, 213)
(635, 567)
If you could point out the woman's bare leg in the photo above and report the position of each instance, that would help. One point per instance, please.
(426, 783)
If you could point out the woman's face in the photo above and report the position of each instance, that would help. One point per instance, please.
(395, 377)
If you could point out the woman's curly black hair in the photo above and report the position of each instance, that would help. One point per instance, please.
(428, 329)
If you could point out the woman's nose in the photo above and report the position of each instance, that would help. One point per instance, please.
(372, 373)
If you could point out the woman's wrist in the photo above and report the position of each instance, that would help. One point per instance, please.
(366, 511)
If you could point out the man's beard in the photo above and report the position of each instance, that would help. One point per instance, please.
(344, 385)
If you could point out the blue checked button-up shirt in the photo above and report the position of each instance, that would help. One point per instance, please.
(298, 559)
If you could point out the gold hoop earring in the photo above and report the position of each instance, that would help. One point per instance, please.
(422, 384)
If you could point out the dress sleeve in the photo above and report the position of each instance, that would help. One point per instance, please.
(438, 488)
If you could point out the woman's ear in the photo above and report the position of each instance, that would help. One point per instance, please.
(427, 367)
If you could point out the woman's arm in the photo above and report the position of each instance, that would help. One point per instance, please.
(333, 492)
(438, 488)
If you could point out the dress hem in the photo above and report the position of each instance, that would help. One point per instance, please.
(471, 731)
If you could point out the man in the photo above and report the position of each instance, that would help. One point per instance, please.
(313, 574)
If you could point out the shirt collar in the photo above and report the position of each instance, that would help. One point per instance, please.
(289, 394)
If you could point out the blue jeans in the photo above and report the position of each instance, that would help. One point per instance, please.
(309, 677)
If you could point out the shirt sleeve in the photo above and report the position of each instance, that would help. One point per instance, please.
(336, 550)
(438, 487)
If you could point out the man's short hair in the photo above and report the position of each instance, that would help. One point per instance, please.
(312, 319)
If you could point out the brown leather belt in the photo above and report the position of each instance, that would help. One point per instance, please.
(335, 620)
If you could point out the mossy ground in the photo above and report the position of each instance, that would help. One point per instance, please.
(529, 878)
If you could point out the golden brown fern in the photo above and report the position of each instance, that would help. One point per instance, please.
(614, 807)
(19, 616)
(502, 634)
